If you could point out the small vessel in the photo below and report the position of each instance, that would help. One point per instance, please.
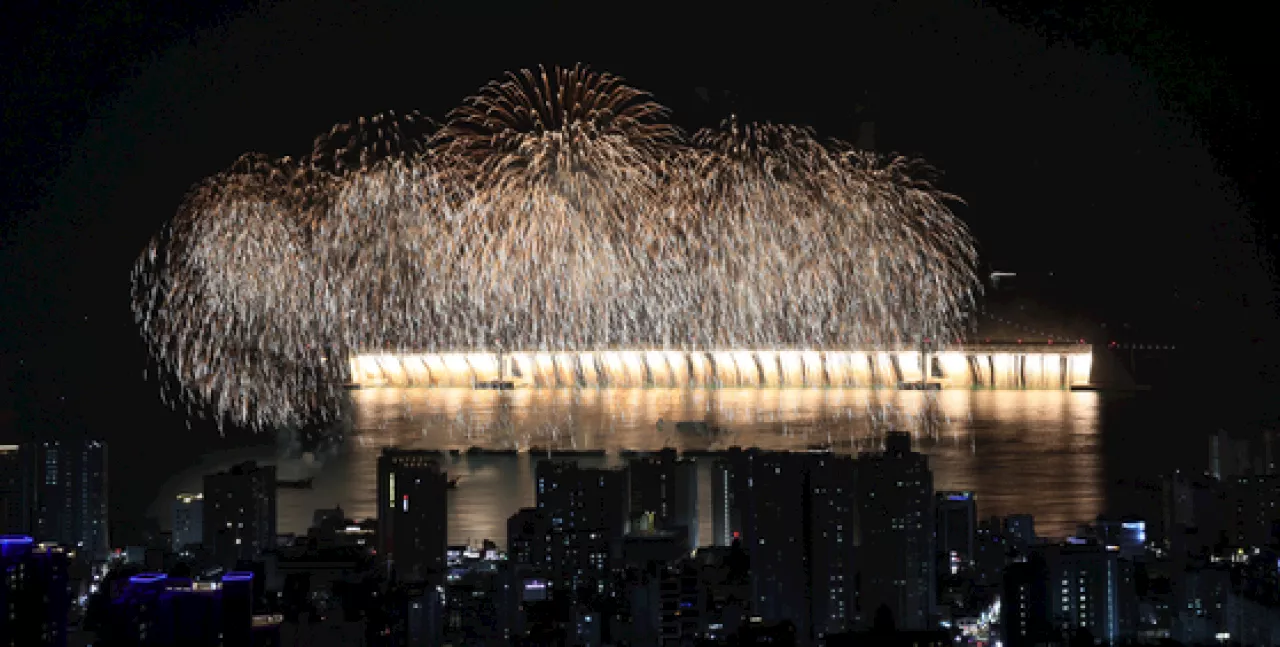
(351, 386)
(495, 385)
(476, 450)
(453, 484)
(920, 386)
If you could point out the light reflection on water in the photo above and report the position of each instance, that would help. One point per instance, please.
(1020, 451)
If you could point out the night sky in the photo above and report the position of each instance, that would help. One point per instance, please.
(1119, 148)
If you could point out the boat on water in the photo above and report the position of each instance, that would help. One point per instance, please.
(920, 386)
(495, 385)
(476, 450)
(302, 484)
(453, 483)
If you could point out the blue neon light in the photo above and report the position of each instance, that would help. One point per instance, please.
(237, 576)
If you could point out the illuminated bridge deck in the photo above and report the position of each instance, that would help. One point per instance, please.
(1013, 366)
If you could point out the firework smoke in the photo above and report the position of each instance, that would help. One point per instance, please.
(554, 210)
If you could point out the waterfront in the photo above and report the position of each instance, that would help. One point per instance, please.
(1021, 451)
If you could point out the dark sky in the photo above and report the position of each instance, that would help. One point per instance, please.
(1119, 147)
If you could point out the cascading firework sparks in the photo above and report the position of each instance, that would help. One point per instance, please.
(554, 210)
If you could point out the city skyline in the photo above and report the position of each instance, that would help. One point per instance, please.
(637, 325)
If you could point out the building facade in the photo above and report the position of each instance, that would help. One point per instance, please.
(239, 513)
(66, 490)
(12, 496)
(188, 520)
(896, 523)
(586, 512)
(412, 515)
(34, 593)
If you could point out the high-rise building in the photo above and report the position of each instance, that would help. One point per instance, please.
(413, 528)
(12, 498)
(66, 482)
(34, 593)
(991, 554)
(1193, 508)
(770, 495)
(526, 530)
(1020, 531)
(957, 525)
(666, 487)
(726, 525)
(239, 513)
(188, 520)
(1069, 589)
(896, 523)
(829, 502)
(1252, 515)
(587, 512)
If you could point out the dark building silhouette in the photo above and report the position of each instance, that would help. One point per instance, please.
(1064, 590)
(830, 503)
(12, 496)
(159, 609)
(412, 514)
(34, 593)
(873, 638)
(896, 523)
(1193, 512)
(188, 520)
(1252, 515)
(1020, 530)
(66, 493)
(526, 530)
(585, 512)
(474, 609)
(239, 513)
(991, 553)
(667, 488)
(957, 526)
(769, 492)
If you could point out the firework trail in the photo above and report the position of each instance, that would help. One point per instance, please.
(553, 210)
